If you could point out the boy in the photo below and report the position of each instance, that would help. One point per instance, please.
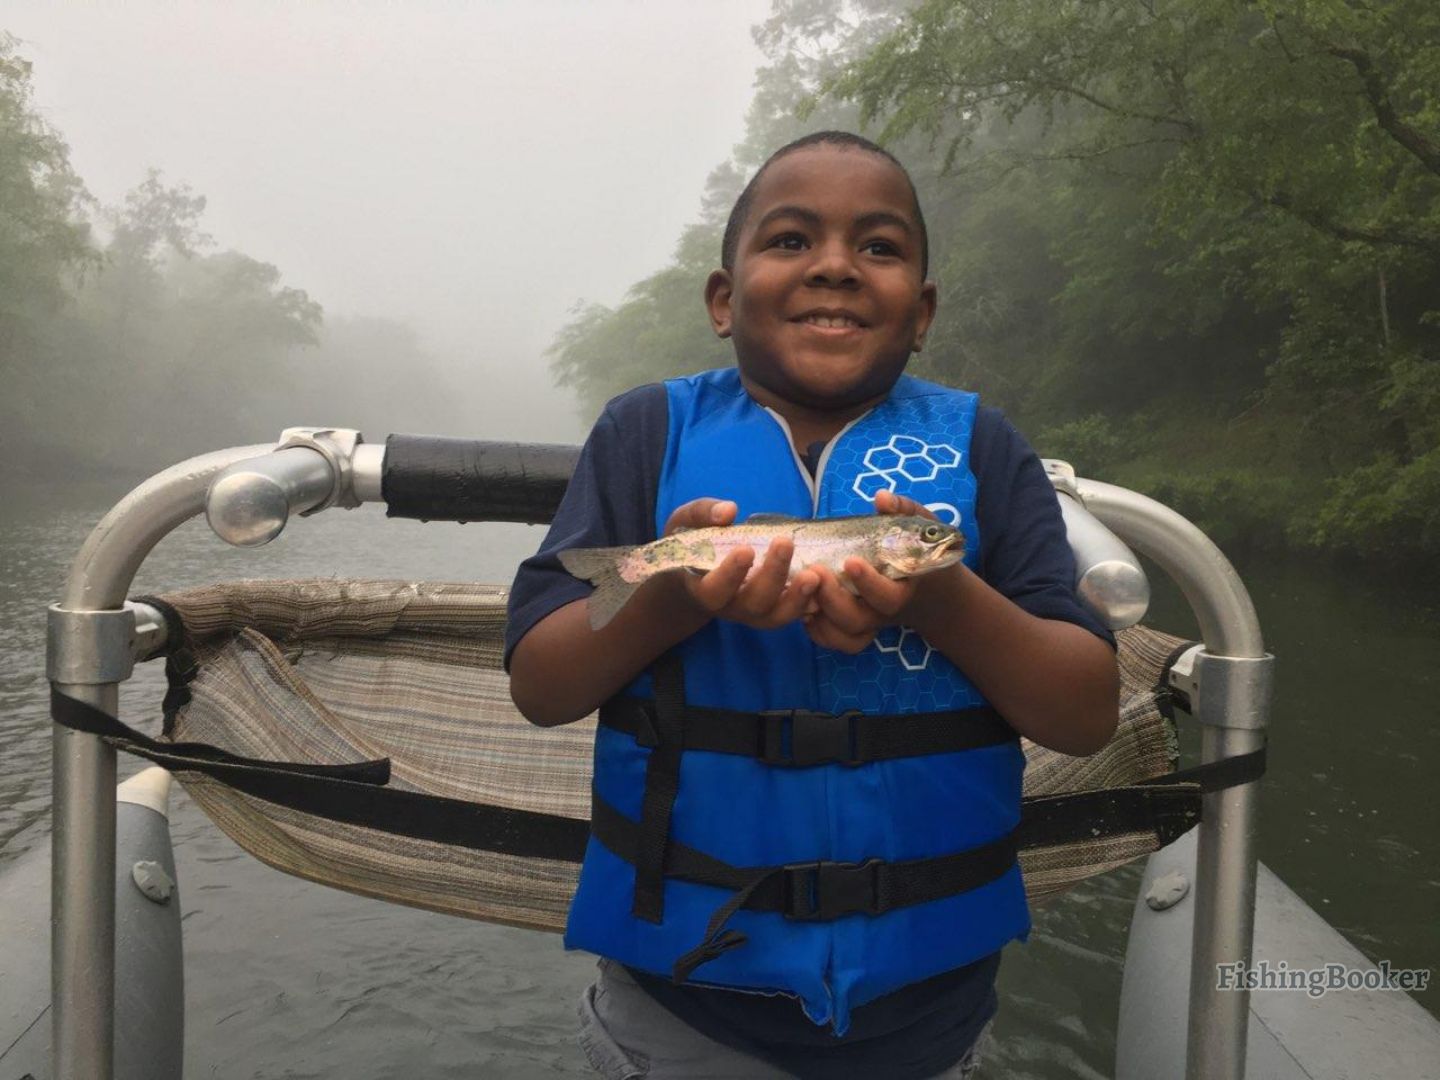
(777, 891)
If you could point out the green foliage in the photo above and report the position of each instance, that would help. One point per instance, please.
(137, 342)
(127, 348)
(1386, 511)
(661, 329)
(44, 240)
(1240, 509)
(164, 346)
(1195, 242)
(1091, 444)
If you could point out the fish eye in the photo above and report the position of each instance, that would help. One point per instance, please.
(932, 533)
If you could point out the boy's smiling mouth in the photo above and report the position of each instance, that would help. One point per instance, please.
(830, 319)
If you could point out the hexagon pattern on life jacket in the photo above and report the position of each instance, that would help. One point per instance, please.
(926, 460)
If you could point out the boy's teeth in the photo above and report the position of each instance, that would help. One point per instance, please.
(830, 320)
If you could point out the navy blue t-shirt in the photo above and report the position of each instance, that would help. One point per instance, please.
(921, 1029)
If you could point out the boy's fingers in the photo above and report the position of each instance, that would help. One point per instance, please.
(764, 587)
(837, 604)
(722, 512)
(717, 588)
(888, 502)
(796, 598)
(826, 634)
(885, 596)
(701, 514)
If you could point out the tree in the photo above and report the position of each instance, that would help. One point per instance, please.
(1195, 244)
(1283, 158)
(44, 239)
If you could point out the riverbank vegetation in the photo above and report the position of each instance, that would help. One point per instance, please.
(129, 339)
(1194, 247)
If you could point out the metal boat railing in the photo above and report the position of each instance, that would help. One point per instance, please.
(249, 494)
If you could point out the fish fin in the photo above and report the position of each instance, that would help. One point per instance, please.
(773, 519)
(601, 567)
(587, 564)
(612, 592)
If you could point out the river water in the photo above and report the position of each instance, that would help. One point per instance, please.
(289, 979)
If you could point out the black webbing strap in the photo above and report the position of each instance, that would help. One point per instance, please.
(181, 667)
(666, 739)
(1169, 811)
(810, 891)
(1168, 806)
(199, 757)
(1216, 775)
(801, 737)
(334, 792)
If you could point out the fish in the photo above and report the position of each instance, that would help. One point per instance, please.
(899, 546)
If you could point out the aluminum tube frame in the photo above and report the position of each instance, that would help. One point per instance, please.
(82, 891)
(1228, 623)
(250, 503)
(1224, 929)
(82, 898)
(83, 911)
(367, 466)
(1109, 577)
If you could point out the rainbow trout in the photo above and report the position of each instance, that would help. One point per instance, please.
(896, 546)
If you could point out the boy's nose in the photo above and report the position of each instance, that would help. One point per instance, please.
(833, 265)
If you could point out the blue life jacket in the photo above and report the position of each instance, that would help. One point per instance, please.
(748, 813)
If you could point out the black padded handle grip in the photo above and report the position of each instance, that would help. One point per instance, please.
(437, 479)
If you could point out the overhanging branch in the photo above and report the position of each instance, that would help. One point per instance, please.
(1354, 233)
(1378, 95)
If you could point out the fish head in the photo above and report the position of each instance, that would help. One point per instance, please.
(917, 545)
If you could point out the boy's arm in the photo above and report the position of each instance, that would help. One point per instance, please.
(562, 670)
(1055, 682)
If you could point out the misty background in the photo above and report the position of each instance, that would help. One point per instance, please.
(441, 182)
(1194, 248)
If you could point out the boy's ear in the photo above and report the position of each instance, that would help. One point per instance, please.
(719, 288)
(929, 299)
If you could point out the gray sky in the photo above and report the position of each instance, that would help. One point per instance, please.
(473, 169)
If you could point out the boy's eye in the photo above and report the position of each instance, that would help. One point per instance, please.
(880, 247)
(788, 241)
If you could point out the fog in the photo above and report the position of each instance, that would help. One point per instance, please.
(470, 170)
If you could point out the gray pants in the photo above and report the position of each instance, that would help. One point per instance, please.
(627, 1035)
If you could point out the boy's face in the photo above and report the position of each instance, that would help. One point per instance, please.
(826, 301)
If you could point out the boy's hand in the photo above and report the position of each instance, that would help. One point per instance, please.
(848, 623)
(762, 600)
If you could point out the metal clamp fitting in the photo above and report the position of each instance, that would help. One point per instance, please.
(1062, 476)
(337, 447)
(89, 647)
(1224, 691)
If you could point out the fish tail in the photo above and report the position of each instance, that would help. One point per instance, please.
(601, 567)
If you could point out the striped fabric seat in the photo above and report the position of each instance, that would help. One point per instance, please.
(340, 671)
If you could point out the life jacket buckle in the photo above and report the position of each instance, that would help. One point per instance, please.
(821, 891)
(802, 737)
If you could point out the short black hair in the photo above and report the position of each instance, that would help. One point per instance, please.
(741, 210)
